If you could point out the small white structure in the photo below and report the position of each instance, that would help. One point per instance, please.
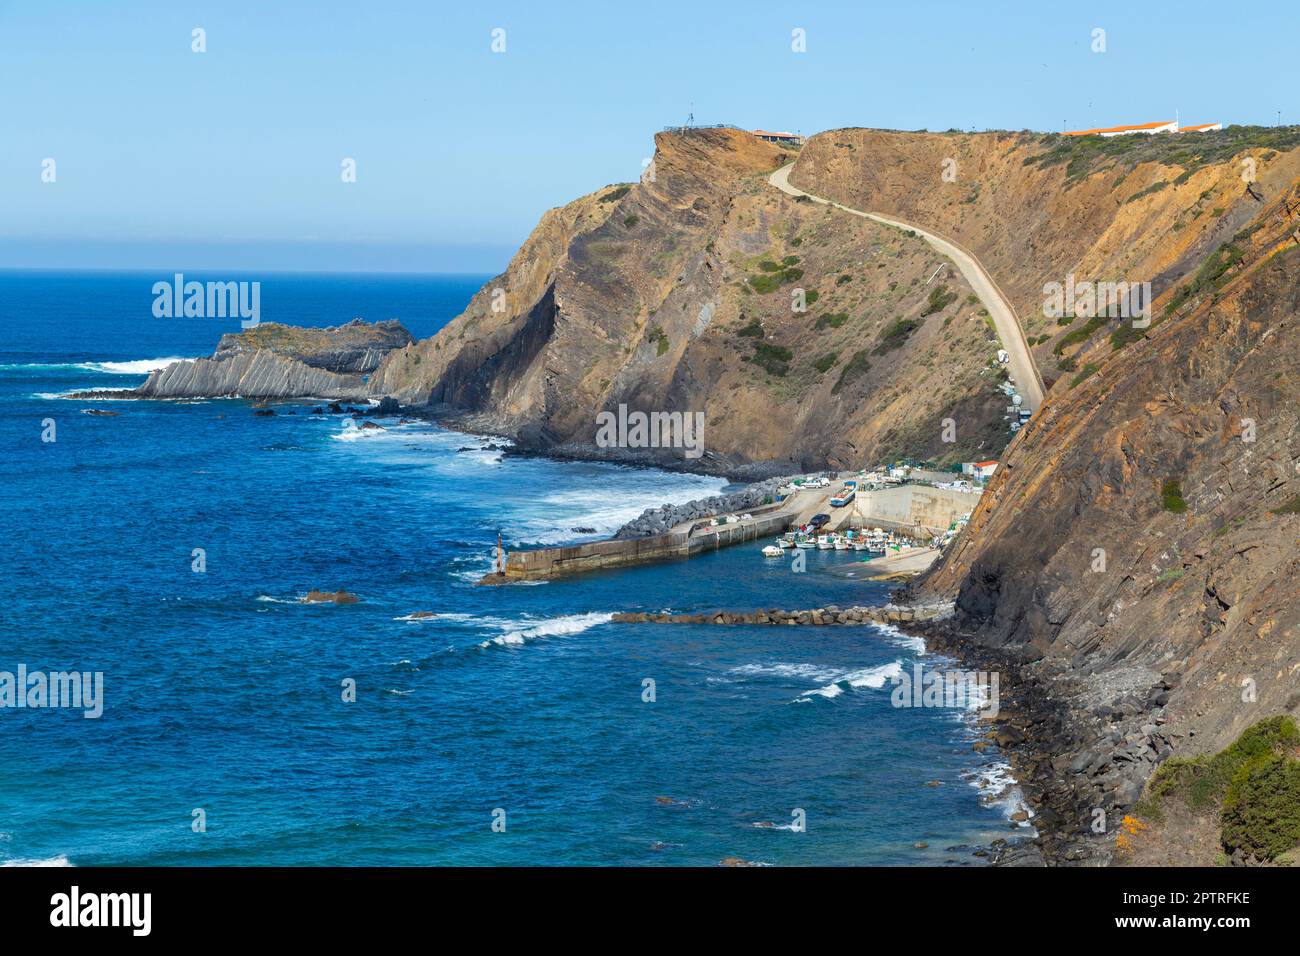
(1159, 126)
(979, 469)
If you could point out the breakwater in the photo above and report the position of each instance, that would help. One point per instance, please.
(544, 563)
(829, 615)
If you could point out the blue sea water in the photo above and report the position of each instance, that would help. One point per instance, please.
(224, 694)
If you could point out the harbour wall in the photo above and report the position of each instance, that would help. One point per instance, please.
(598, 555)
(913, 507)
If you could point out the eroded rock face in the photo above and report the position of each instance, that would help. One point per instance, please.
(355, 348)
(1082, 548)
(1139, 549)
(1032, 217)
(678, 294)
(282, 361)
(258, 374)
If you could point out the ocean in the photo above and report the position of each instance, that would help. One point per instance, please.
(511, 727)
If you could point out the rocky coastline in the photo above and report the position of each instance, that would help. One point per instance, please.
(1080, 749)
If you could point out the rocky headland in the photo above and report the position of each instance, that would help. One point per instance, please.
(1132, 567)
(275, 361)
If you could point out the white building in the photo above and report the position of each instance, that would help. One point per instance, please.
(1159, 126)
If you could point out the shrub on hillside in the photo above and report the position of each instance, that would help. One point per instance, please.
(896, 335)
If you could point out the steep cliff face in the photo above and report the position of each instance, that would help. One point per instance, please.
(1038, 208)
(1140, 543)
(1151, 516)
(1135, 557)
(806, 337)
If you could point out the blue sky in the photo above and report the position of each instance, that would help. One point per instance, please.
(169, 158)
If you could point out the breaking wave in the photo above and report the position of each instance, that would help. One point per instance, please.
(555, 627)
(872, 677)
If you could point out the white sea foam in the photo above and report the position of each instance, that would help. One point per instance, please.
(816, 672)
(872, 677)
(136, 367)
(59, 860)
(998, 788)
(75, 392)
(606, 507)
(131, 367)
(353, 432)
(555, 627)
(899, 639)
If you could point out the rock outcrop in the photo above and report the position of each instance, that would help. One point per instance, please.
(352, 349)
(259, 374)
(275, 361)
(807, 338)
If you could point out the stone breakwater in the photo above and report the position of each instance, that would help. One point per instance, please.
(829, 615)
(659, 520)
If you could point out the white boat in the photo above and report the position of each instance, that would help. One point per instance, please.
(825, 543)
(861, 544)
(841, 543)
(771, 551)
(785, 541)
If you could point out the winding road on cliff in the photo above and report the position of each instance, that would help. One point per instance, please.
(1029, 383)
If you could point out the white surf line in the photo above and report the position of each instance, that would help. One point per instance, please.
(1029, 383)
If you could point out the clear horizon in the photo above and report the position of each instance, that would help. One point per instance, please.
(234, 157)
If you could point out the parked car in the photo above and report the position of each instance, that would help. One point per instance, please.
(819, 520)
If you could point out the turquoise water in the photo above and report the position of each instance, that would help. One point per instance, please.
(224, 694)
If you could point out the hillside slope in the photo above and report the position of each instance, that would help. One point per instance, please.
(1138, 551)
(1037, 208)
(678, 294)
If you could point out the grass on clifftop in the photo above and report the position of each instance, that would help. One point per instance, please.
(1255, 782)
(1085, 154)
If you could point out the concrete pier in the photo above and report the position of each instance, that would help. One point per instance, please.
(598, 555)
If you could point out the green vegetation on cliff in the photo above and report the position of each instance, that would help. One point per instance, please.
(1085, 154)
(1255, 782)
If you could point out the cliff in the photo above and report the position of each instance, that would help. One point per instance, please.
(680, 294)
(1134, 560)
(1037, 208)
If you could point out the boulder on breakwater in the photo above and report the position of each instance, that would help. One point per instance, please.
(829, 615)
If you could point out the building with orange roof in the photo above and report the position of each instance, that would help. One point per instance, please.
(1160, 126)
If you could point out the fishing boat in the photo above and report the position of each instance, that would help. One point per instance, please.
(785, 541)
(772, 551)
(841, 543)
(805, 543)
(826, 542)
